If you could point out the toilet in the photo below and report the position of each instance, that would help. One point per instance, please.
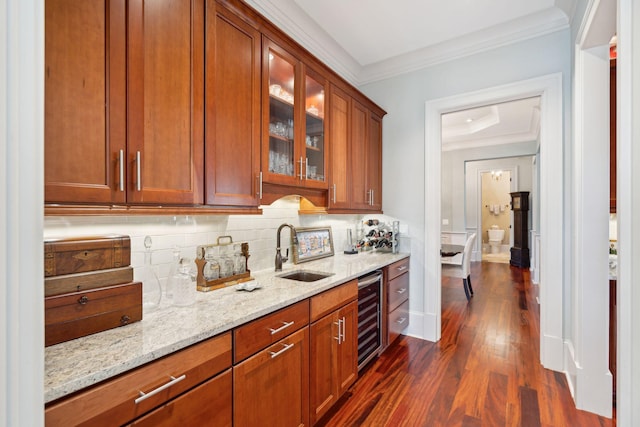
(495, 238)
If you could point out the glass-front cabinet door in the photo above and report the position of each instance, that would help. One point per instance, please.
(281, 71)
(293, 151)
(314, 141)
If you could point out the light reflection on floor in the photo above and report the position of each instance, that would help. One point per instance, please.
(502, 257)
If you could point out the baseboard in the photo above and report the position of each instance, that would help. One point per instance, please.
(430, 326)
(552, 353)
(591, 391)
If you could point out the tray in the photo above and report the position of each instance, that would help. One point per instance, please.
(204, 285)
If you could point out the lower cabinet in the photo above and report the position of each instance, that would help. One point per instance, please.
(271, 388)
(127, 397)
(208, 404)
(396, 299)
(333, 347)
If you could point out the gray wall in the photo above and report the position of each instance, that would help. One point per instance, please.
(404, 97)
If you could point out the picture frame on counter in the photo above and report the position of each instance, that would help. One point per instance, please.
(312, 243)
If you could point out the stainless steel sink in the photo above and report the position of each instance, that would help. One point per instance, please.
(305, 275)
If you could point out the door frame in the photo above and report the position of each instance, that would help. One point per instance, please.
(549, 88)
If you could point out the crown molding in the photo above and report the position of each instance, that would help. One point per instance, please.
(528, 27)
(290, 18)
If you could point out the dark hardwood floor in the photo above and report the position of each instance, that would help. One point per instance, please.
(485, 371)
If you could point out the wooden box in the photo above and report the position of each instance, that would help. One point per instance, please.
(77, 282)
(76, 255)
(77, 314)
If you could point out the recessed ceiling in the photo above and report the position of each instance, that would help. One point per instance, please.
(370, 40)
(504, 123)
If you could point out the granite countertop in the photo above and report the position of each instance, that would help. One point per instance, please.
(76, 364)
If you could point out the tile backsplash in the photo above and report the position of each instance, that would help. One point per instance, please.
(187, 232)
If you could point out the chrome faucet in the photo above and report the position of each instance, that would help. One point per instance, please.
(279, 258)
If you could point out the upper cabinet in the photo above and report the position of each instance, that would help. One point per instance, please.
(85, 101)
(196, 106)
(293, 151)
(232, 149)
(165, 126)
(355, 178)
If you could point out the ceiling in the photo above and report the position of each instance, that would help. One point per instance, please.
(368, 40)
(505, 123)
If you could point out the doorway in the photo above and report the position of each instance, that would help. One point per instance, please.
(495, 215)
(549, 88)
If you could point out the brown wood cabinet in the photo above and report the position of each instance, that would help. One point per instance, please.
(374, 162)
(333, 347)
(119, 400)
(232, 150)
(85, 101)
(190, 106)
(271, 388)
(396, 304)
(293, 151)
(165, 120)
(339, 170)
(355, 181)
(208, 404)
(145, 63)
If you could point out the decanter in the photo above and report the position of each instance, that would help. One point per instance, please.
(151, 290)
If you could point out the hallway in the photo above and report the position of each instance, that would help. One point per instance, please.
(485, 371)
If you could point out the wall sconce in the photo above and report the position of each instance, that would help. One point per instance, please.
(496, 175)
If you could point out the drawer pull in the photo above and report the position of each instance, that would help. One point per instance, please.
(402, 268)
(83, 300)
(173, 381)
(401, 291)
(401, 320)
(286, 347)
(284, 326)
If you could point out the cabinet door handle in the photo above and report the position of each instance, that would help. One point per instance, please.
(344, 329)
(402, 268)
(83, 300)
(284, 326)
(339, 337)
(173, 381)
(286, 347)
(301, 173)
(401, 291)
(335, 190)
(138, 174)
(259, 189)
(121, 161)
(401, 320)
(371, 198)
(306, 168)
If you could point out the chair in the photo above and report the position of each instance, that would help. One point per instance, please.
(460, 266)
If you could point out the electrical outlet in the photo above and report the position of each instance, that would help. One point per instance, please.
(445, 222)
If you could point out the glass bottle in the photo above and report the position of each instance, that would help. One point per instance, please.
(151, 290)
(171, 279)
(239, 261)
(185, 291)
(211, 270)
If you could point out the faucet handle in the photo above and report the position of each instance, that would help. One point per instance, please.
(286, 257)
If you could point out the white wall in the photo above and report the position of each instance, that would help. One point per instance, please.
(21, 195)
(404, 97)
